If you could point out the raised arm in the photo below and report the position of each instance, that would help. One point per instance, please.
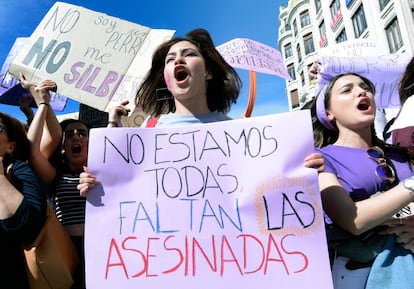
(115, 113)
(44, 139)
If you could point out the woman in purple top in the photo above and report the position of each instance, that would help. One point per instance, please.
(357, 166)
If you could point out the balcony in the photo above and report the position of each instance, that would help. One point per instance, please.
(336, 18)
(323, 40)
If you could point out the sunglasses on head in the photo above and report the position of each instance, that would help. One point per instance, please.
(383, 169)
(70, 133)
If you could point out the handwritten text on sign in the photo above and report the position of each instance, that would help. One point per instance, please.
(228, 202)
(385, 71)
(252, 55)
(90, 54)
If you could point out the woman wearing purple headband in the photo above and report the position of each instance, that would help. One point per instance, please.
(366, 186)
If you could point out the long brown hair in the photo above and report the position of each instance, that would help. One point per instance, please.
(406, 85)
(222, 90)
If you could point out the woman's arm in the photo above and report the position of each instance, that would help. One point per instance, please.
(359, 217)
(52, 132)
(115, 113)
(10, 198)
(43, 138)
(22, 202)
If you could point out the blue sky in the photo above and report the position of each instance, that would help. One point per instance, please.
(224, 19)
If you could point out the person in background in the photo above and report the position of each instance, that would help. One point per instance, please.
(22, 202)
(25, 106)
(182, 87)
(58, 153)
(398, 132)
(189, 83)
(404, 137)
(365, 183)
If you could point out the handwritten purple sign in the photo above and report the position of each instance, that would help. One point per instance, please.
(220, 205)
(252, 55)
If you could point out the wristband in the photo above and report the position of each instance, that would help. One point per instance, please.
(45, 103)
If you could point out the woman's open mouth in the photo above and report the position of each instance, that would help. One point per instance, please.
(180, 74)
(364, 105)
(76, 149)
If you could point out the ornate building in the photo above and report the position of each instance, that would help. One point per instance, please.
(306, 26)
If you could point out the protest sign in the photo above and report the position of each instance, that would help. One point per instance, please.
(93, 57)
(218, 205)
(7, 80)
(370, 60)
(358, 47)
(255, 56)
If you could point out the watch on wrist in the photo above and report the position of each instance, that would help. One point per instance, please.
(408, 183)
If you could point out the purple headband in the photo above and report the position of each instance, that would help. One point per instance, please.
(320, 102)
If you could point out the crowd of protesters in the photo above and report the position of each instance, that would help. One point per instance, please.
(366, 182)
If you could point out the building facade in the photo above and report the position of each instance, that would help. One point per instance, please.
(306, 26)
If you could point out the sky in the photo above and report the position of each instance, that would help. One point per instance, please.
(224, 19)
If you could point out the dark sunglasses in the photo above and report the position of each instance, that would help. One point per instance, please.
(383, 170)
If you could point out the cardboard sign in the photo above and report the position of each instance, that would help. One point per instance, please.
(370, 60)
(219, 205)
(255, 56)
(7, 80)
(11, 92)
(93, 57)
(355, 48)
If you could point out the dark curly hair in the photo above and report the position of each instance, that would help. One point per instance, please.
(16, 132)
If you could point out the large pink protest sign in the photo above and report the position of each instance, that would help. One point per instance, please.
(220, 205)
(95, 58)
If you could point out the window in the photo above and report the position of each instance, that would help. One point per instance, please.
(287, 27)
(395, 41)
(383, 3)
(359, 22)
(295, 27)
(308, 43)
(335, 6)
(348, 2)
(294, 98)
(322, 29)
(304, 19)
(341, 37)
(291, 71)
(302, 78)
(288, 51)
(318, 5)
(299, 53)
